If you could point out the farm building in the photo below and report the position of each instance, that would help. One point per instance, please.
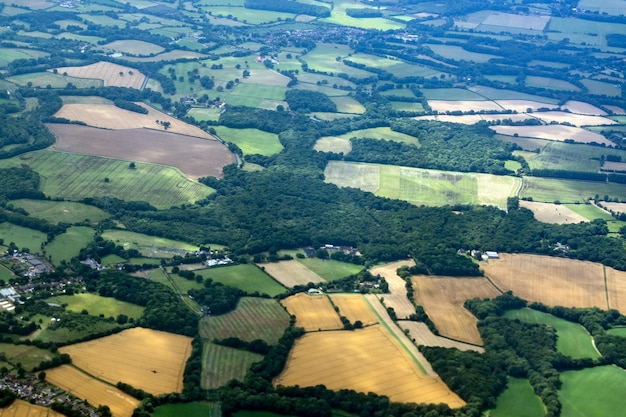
(492, 255)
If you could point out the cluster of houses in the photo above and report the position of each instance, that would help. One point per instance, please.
(33, 265)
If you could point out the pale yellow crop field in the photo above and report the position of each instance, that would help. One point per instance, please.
(108, 116)
(291, 273)
(21, 408)
(616, 289)
(354, 307)
(549, 280)
(365, 360)
(151, 360)
(443, 298)
(554, 132)
(552, 213)
(463, 105)
(90, 389)
(109, 73)
(312, 312)
(397, 296)
(580, 107)
(470, 119)
(574, 119)
(421, 335)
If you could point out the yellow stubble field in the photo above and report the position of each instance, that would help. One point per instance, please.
(397, 296)
(354, 307)
(291, 273)
(93, 391)
(151, 360)
(443, 298)
(312, 312)
(365, 360)
(616, 289)
(109, 73)
(21, 408)
(549, 280)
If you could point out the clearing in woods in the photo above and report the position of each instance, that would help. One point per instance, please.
(552, 213)
(397, 297)
(313, 313)
(112, 74)
(365, 360)
(354, 308)
(21, 408)
(291, 273)
(443, 299)
(147, 359)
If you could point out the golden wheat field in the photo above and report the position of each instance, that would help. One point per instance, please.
(365, 360)
(549, 280)
(616, 289)
(443, 298)
(354, 307)
(108, 116)
(312, 312)
(148, 359)
(420, 334)
(112, 74)
(291, 273)
(90, 389)
(21, 408)
(397, 296)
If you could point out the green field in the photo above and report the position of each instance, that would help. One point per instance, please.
(22, 237)
(550, 83)
(617, 331)
(568, 191)
(324, 58)
(518, 400)
(396, 67)
(43, 79)
(61, 211)
(348, 105)
(68, 245)
(5, 273)
(220, 364)
(78, 332)
(330, 269)
(149, 246)
(84, 176)
(571, 157)
(593, 392)
(602, 88)
(246, 277)
(28, 356)
(96, 305)
(8, 55)
(254, 318)
(382, 133)
(572, 340)
(200, 114)
(251, 141)
(338, 16)
(459, 54)
(196, 409)
(112, 259)
(590, 212)
(134, 47)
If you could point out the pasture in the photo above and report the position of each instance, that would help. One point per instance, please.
(617, 331)
(420, 334)
(21, 408)
(571, 157)
(61, 211)
(29, 356)
(354, 307)
(110, 74)
(201, 113)
(221, 364)
(312, 313)
(291, 273)
(90, 389)
(64, 335)
(43, 79)
(382, 133)
(572, 339)
(134, 47)
(8, 55)
(195, 409)
(329, 269)
(602, 88)
(593, 391)
(85, 176)
(549, 280)
(365, 360)
(552, 213)
(590, 211)
(147, 359)
(68, 245)
(150, 246)
(550, 83)
(568, 191)
(254, 318)
(246, 277)
(338, 16)
(251, 141)
(96, 305)
(518, 400)
(443, 298)
(23, 237)
(459, 54)
(348, 105)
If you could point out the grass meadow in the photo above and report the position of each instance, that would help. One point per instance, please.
(330, 269)
(550, 83)
(572, 340)
(590, 212)
(382, 133)
(61, 211)
(8, 55)
(68, 245)
(246, 277)
(339, 17)
(96, 305)
(251, 141)
(195, 409)
(23, 237)
(617, 331)
(150, 246)
(571, 157)
(518, 400)
(43, 79)
(28, 356)
(74, 177)
(568, 191)
(593, 392)
(459, 54)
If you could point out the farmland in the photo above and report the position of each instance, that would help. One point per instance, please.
(421, 335)
(96, 305)
(291, 273)
(442, 295)
(554, 132)
(518, 400)
(150, 246)
(254, 318)
(381, 133)
(330, 269)
(61, 211)
(29, 356)
(92, 390)
(584, 393)
(312, 313)
(552, 213)
(146, 359)
(221, 364)
(43, 79)
(397, 296)
(251, 141)
(246, 277)
(366, 360)
(354, 308)
(195, 409)
(568, 191)
(21, 408)
(22, 236)
(67, 245)
(110, 74)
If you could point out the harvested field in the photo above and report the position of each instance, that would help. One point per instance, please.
(580, 107)
(109, 73)
(21, 408)
(616, 289)
(516, 21)
(443, 298)
(470, 119)
(554, 132)
(615, 109)
(616, 207)
(365, 360)
(421, 335)
(574, 119)
(463, 105)
(333, 144)
(354, 307)
(111, 117)
(397, 297)
(313, 313)
(552, 213)
(549, 280)
(196, 157)
(147, 359)
(522, 106)
(90, 389)
(614, 166)
(134, 47)
(291, 273)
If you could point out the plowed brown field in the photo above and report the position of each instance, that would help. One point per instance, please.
(354, 307)
(313, 312)
(443, 298)
(365, 360)
(109, 73)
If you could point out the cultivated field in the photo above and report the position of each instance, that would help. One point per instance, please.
(397, 296)
(549, 280)
(291, 273)
(422, 336)
(313, 313)
(134, 47)
(194, 156)
(96, 392)
(554, 132)
(354, 307)
(516, 21)
(616, 207)
(366, 360)
(443, 298)
(333, 144)
(443, 106)
(96, 305)
(580, 107)
(254, 318)
(251, 141)
(593, 391)
(246, 277)
(21, 408)
(569, 191)
(517, 400)
(470, 119)
(572, 118)
(552, 213)
(147, 359)
(61, 211)
(221, 364)
(29, 356)
(109, 116)
(616, 289)
(111, 74)
(330, 269)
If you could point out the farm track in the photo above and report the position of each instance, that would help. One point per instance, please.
(193, 306)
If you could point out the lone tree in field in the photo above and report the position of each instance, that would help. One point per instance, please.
(132, 165)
